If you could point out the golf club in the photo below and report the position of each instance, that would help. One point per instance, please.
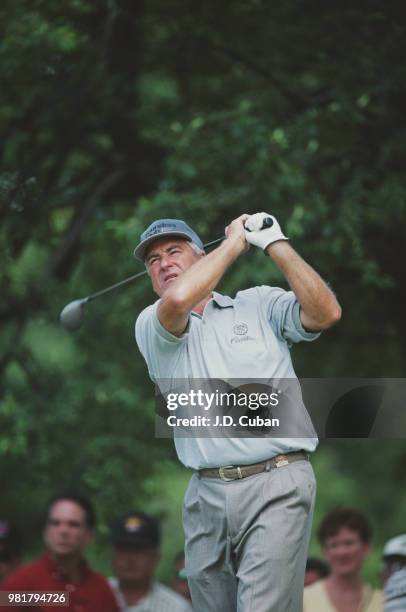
(71, 316)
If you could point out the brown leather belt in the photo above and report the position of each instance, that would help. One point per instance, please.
(233, 472)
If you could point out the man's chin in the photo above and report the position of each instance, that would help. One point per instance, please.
(169, 281)
(63, 552)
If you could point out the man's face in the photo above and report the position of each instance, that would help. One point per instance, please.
(166, 259)
(391, 564)
(66, 533)
(134, 566)
(345, 552)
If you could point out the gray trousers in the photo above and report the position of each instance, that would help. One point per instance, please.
(246, 540)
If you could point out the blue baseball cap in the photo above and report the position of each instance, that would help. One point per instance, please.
(161, 229)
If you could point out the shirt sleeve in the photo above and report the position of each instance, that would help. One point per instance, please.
(283, 312)
(156, 344)
(109, 599)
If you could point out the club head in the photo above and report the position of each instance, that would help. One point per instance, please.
(71, 316)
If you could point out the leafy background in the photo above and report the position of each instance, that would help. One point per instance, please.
(114, 113)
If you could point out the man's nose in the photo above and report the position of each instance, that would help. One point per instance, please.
(166, 261)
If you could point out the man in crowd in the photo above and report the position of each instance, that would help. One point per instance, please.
(345, 536)
(136, 541)
(249, 505)
(10, 548)
(70, 521)
(394, 574)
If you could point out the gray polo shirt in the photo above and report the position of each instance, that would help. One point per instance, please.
(245, 337)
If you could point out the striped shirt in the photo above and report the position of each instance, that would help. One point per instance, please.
(395, 592)
(159, 599)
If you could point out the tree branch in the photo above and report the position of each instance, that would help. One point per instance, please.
(59, 263)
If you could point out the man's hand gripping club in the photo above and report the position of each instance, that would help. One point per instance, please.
(262, 229)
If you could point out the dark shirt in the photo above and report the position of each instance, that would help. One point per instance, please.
(91, 594)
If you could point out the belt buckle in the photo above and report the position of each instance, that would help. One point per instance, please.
(222, 475)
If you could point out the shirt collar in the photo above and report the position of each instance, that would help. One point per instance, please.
(55, 569)
(223, 301)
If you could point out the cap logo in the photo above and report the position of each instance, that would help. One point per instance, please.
(133, 523)
(159, 229)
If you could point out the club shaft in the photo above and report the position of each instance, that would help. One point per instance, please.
(116, 286)
(209, 244)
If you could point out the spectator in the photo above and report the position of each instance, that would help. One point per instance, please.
(179, 582)
(136, 540)
(345, 536)
(69, 527)
(394, 574)
(10, 548)
(316, 569)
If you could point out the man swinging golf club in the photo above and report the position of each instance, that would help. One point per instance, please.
(249, 504)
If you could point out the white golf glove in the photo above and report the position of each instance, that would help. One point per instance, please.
(262, 237)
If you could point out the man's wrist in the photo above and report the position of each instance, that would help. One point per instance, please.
(236, 244)
(277, 248)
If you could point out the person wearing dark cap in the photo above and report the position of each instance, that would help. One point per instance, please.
(70, 521)
(248, 508)
(10, 548)
(136, 539)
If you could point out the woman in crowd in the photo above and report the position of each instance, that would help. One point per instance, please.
(345, 536)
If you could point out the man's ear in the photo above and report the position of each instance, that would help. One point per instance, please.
(200, 255)
(89, 536)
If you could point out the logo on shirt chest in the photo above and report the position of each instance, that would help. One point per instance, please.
(240, 331)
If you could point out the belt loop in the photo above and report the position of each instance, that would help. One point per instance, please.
(268, 465)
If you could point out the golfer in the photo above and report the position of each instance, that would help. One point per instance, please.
(249, 504)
